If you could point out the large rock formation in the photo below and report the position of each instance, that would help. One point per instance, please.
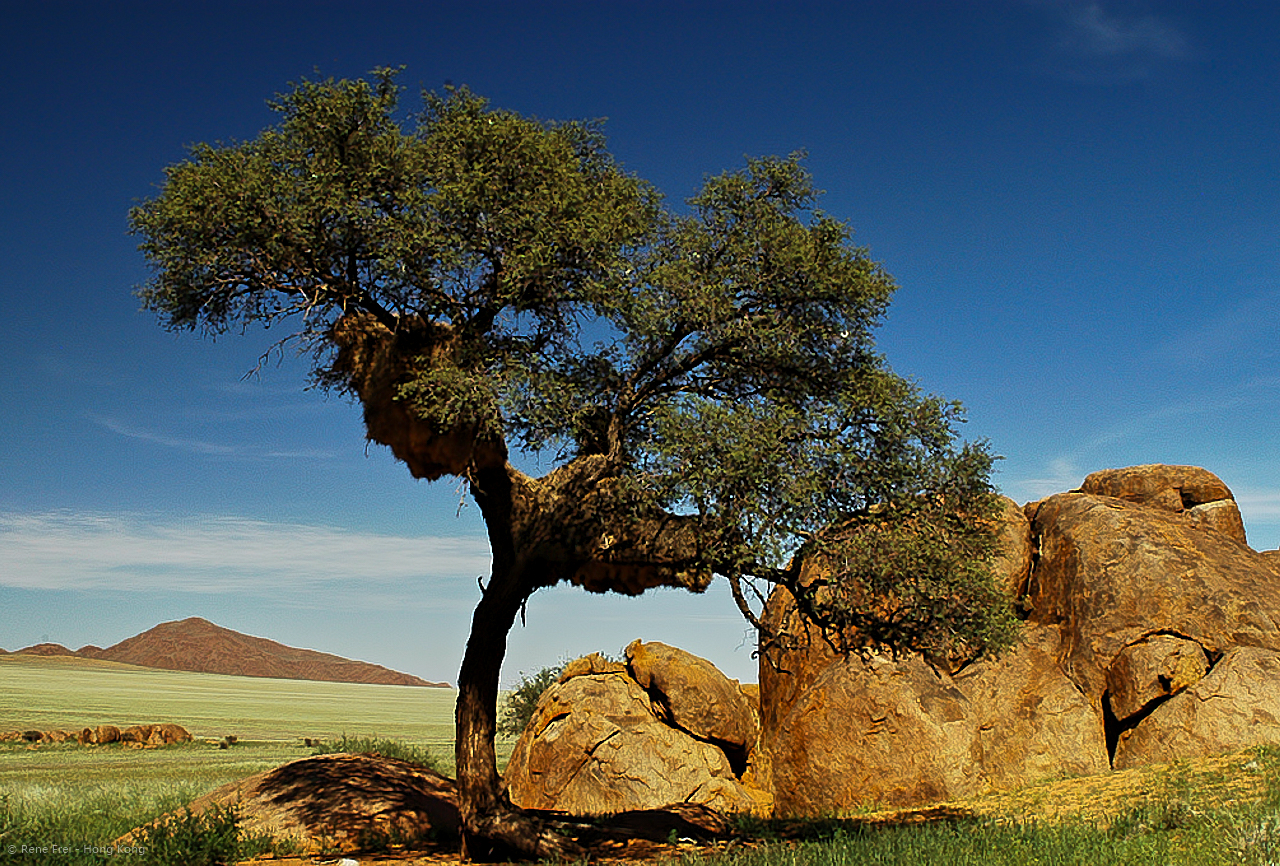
(1112, 574)
(901, 732)
(665, 728)
(1152, 633)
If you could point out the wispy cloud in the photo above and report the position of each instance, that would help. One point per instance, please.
(1243, 327)
(1094, 30)
(1067, 469)
(130, 552)
(1060, 474)
(1103, 42)
(1260, 505)
(201, 446)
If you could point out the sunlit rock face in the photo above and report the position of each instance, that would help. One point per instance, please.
(1152, 634)
(666, 727)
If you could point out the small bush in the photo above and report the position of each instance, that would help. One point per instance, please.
(207, 839)
(521, 703)
(210, 838)
(401, 751)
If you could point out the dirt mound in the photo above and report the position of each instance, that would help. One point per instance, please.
(342, 802)
(197, 645)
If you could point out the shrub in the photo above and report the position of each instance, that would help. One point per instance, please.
(401, 751)
(520, 704)
(209, 838)
(203, 839)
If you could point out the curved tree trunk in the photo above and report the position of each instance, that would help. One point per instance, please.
(493, 829)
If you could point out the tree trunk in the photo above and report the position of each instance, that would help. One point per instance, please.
(493, 829)
(541, 532)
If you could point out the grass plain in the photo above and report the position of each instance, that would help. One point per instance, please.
(61, 692)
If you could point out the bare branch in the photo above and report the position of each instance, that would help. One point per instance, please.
(735, 586)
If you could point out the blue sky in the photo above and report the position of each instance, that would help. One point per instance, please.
(1080, 201)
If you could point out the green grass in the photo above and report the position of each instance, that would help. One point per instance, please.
(1206, 813)
(39, 693)
(84, 797)
(54, 693)
(80, 818)
(1210, 841)
(80, 797)
(51, 827)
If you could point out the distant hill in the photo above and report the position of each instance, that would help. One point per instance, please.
(47, 649)
(198, 645)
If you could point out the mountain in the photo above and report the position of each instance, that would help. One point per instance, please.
(198, 645)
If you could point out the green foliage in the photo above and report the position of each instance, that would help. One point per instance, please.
(448, 397)
(715, 362)
(80, 827)
(523, 699)
(397, 749)
(474, 214)
(914, 577)
(210, 838)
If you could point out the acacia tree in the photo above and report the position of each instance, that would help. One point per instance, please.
(707, 380)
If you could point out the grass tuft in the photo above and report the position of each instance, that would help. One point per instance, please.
(208, 839)
(397, 749)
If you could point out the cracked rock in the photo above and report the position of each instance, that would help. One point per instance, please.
(1220, 516)
(1236, 705)
(1112, 572)
(700, 699)
(596, 744)
(1153, 669)
(1171, 488)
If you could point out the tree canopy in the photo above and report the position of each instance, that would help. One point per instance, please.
(705, 377)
